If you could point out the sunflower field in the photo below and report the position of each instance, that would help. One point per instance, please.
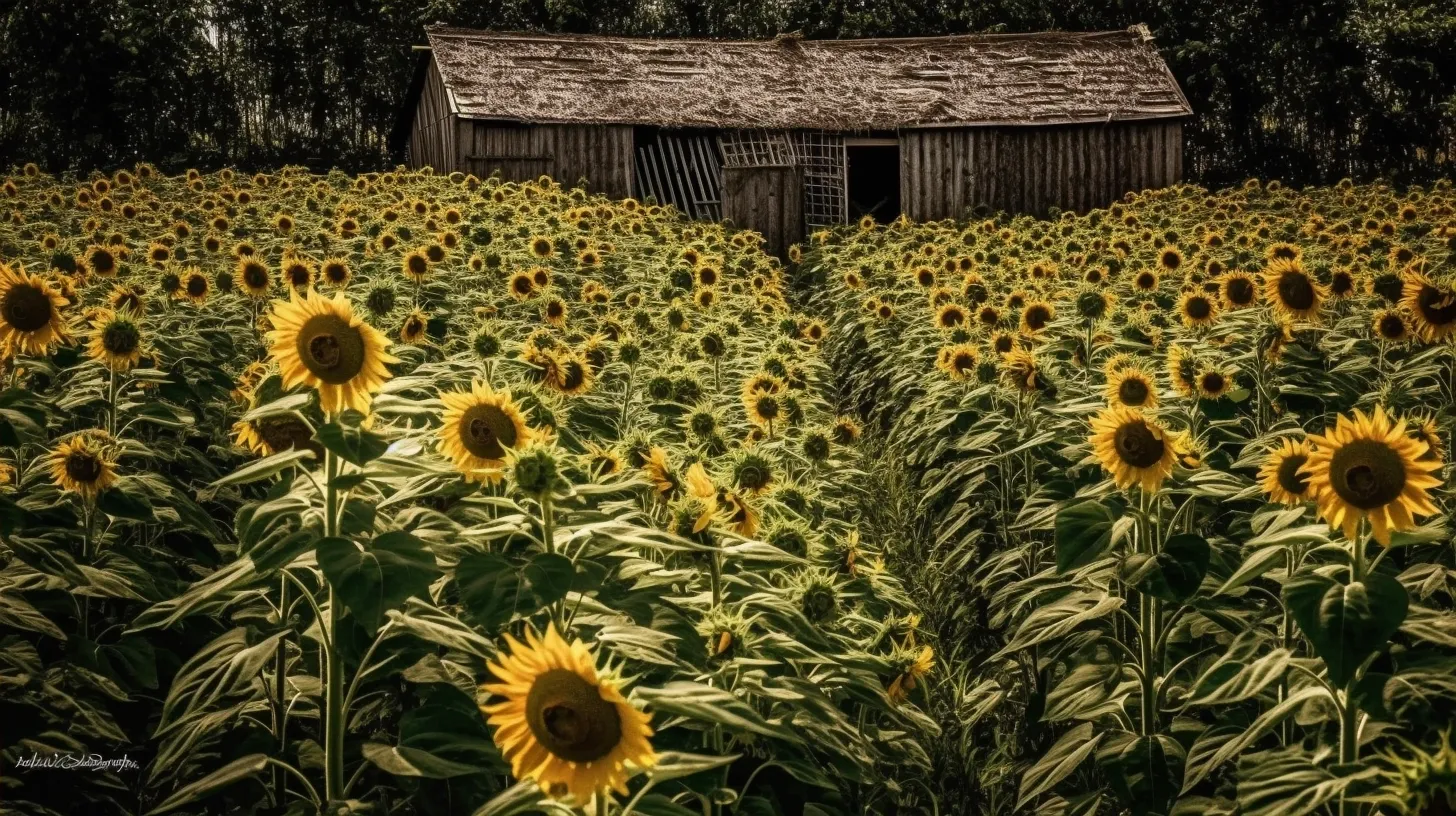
(1171, 482)
(410, 493)
(415, 494)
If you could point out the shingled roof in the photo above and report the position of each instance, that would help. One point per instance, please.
(789, 83)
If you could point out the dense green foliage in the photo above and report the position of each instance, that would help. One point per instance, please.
(1305, 91)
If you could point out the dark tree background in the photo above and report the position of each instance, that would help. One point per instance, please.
(1305, 91)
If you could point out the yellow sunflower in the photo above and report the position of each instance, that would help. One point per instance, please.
(1391, 326)
(660, 472)
(320, 343)
(1131, 386)
(252, 277)
(479, 426)
(1280, 474)
(412, 330)
(912, 671)
(83, 464)
(116, 340)
(1213, 383)
(415, 266)
(959, 361)
(336, 271)
(1197, 310)
(1369, 468)
(1292, 291)
(1133, 448)
(30, 314)
(568, 373)
(1432, 307)
(297, 273)
(274, 434)
(563, 724)
(195, 286)
(1036, 316)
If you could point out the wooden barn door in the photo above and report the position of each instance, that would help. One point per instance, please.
(767, 198)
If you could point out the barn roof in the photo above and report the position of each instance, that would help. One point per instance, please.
(790, 83)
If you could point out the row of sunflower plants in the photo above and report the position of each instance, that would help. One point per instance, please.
(416, 493)
(1179, 475)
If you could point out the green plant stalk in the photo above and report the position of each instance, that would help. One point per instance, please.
(111, 404)
(548, 539)
(626, 400)
(334, 671)
(1148, 626)
(1350, 712)
(280, 676)
(87, 514)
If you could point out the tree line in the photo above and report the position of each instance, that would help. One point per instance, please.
(1309, 91)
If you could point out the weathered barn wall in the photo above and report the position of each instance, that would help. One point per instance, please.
(766, 198)
(602, 154)
(432, 136)
(945, 172)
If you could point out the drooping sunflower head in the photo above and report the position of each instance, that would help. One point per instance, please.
(568, 373)
(1292, 291)
(31, 320)
(319, 342)
(84, 464)
(753, 472)
(1133, 387)
(563, 724)
(1280, 476)
(1021, 370)
(412, 328)
(275, 433)
(846, 431)
(116, 340)
(1418, 781)
(1370, 468)
(1134, 449)
(479, 426)
(1183, 370)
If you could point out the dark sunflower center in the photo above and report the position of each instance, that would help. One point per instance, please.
(103, 262)
(1289, 476)
(1137, 445)
(335, 272)
(197, 286)
(331, 349)
(83, 467)
(283, 433)
(418, 265)
(1392, 327)
(570, 719)
(1389, 287)
(1367, 474)
(572, 375)
(121, 338)
(486, 431)
(1213, 382)
(555, 310)
(1341, 283)
(1132, 391)
(1037, 317)
(1199, 308)
(255, 275)
(522, 285)
(767, 407)
(949, 317)
(1146, 281)
(128, 301)
(1240, 291)
(1296, 291)
(26, 307)
(298, 275)
(963, 362)
(1437, 307)
(1003, 344)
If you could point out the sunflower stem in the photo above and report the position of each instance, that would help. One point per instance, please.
(548, 539)
(280, 676)
(334, 658)
(111, 404)
(626, 401)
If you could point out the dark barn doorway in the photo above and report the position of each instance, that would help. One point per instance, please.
(872, 178)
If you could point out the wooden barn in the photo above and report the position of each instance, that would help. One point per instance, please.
(789, 135)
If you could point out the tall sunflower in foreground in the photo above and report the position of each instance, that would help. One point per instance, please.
(116, 341)
(30, 314)
(1133, 448)
(480, 426)
(1369, 468)
(320, 343)
(563, 724)
(83, 465)
(1280, 475)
